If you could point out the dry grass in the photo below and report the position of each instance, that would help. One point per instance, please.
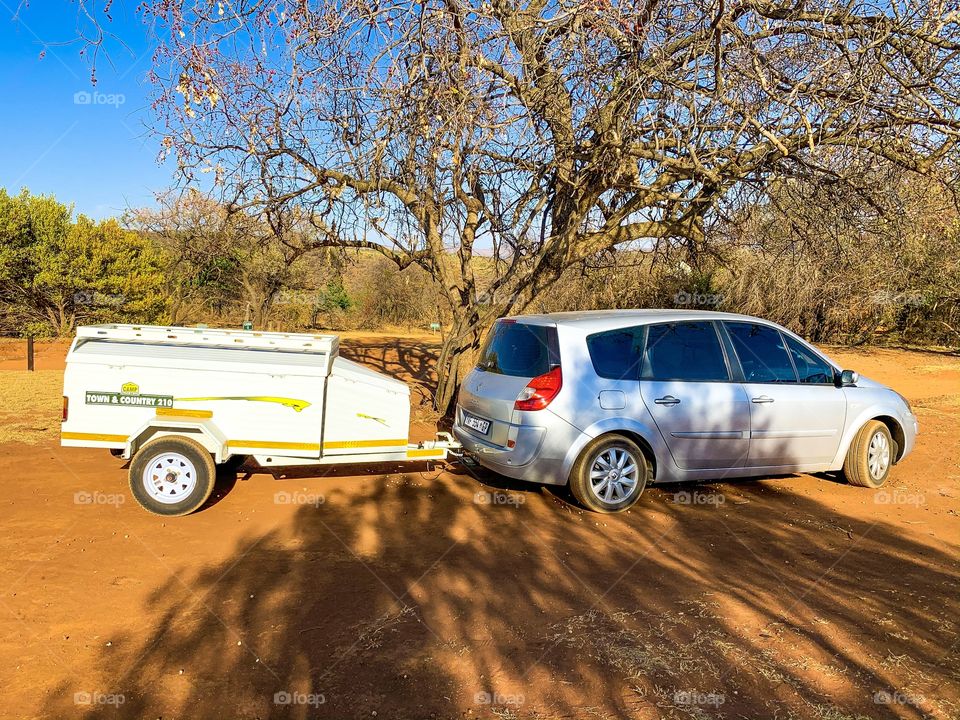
(939, 400)
(30, 405)
(945, 366)
(16, 348)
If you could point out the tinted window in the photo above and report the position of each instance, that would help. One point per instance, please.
(616, 354)
(810, 367)
(683, 351)
(522, 350)
(762, 354)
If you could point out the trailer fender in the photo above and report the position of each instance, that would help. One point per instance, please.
(200, 428)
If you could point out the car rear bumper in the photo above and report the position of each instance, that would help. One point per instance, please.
(522, 462)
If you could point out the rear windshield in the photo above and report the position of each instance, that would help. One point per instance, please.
(520, 350)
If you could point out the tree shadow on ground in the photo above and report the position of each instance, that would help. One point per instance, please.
(414, 599)
(411, 361)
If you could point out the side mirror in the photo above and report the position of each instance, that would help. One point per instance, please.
(849, 377)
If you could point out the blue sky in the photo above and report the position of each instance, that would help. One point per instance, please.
(96, 155)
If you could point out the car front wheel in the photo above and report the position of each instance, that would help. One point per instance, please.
(870, 456)
(610, 474)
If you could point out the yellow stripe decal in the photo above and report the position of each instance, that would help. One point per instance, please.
(344, 444)
(94, 437)
(183, 412)
(424, 452)
(313, 447)
(273, 445)
(294, 403)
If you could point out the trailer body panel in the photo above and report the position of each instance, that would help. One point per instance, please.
(288, 395)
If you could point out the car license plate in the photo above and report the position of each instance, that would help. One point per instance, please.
(475, 423)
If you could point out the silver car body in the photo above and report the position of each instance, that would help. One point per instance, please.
(717, 429)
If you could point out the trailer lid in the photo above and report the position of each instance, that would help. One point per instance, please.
(328, 345)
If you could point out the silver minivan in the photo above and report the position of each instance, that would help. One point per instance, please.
(608, 401)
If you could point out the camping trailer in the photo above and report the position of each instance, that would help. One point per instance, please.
(178, 401)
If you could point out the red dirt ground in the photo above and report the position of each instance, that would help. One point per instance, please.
(430, 593)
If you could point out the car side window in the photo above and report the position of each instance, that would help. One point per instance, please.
(811, 368)
(616, 353)
(763, 355)
(688, 351)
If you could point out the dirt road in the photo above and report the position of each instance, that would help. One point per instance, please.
(435, 594)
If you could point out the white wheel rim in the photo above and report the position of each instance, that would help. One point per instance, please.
(169, 478)
(878, 455)
(614, 474)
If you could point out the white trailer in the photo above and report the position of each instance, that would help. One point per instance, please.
(176, 401)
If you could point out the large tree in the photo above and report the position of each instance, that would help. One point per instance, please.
(55, 273)
(218, 259)
(539, 132)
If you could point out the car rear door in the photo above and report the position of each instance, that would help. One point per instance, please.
(515, 353)
(796, 411)
(686, 386)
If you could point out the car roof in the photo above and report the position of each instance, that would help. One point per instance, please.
(598, 320)
(591, 321)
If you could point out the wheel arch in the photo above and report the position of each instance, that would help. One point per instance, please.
(881, 414)
(896, 432)
(645, 447)
(648, 439)
(203, 432)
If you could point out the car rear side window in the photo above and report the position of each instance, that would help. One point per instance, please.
(520, 350)
(811, 368)
(762, 352)
(616, 353)
(688, 351)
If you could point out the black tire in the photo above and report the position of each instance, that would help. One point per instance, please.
(190, 490)
(867, 443)
(590, 491)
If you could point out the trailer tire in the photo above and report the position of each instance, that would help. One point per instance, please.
(172, 476)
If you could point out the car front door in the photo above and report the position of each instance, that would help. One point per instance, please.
(796, 411)
(685, 384)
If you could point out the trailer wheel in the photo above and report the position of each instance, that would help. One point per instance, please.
(172, 476)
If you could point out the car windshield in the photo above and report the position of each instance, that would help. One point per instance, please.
(520, 350)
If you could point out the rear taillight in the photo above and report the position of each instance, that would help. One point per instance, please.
(540, 391)
(66, 407)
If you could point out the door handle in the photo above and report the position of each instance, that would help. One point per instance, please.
(762, 399)
(667, 400)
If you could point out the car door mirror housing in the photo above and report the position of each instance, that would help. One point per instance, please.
(849, 377)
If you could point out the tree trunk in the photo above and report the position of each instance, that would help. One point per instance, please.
(457, 357)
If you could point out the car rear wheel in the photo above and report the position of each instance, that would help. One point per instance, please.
(172, 476)
(610, 474)
(870, 456)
